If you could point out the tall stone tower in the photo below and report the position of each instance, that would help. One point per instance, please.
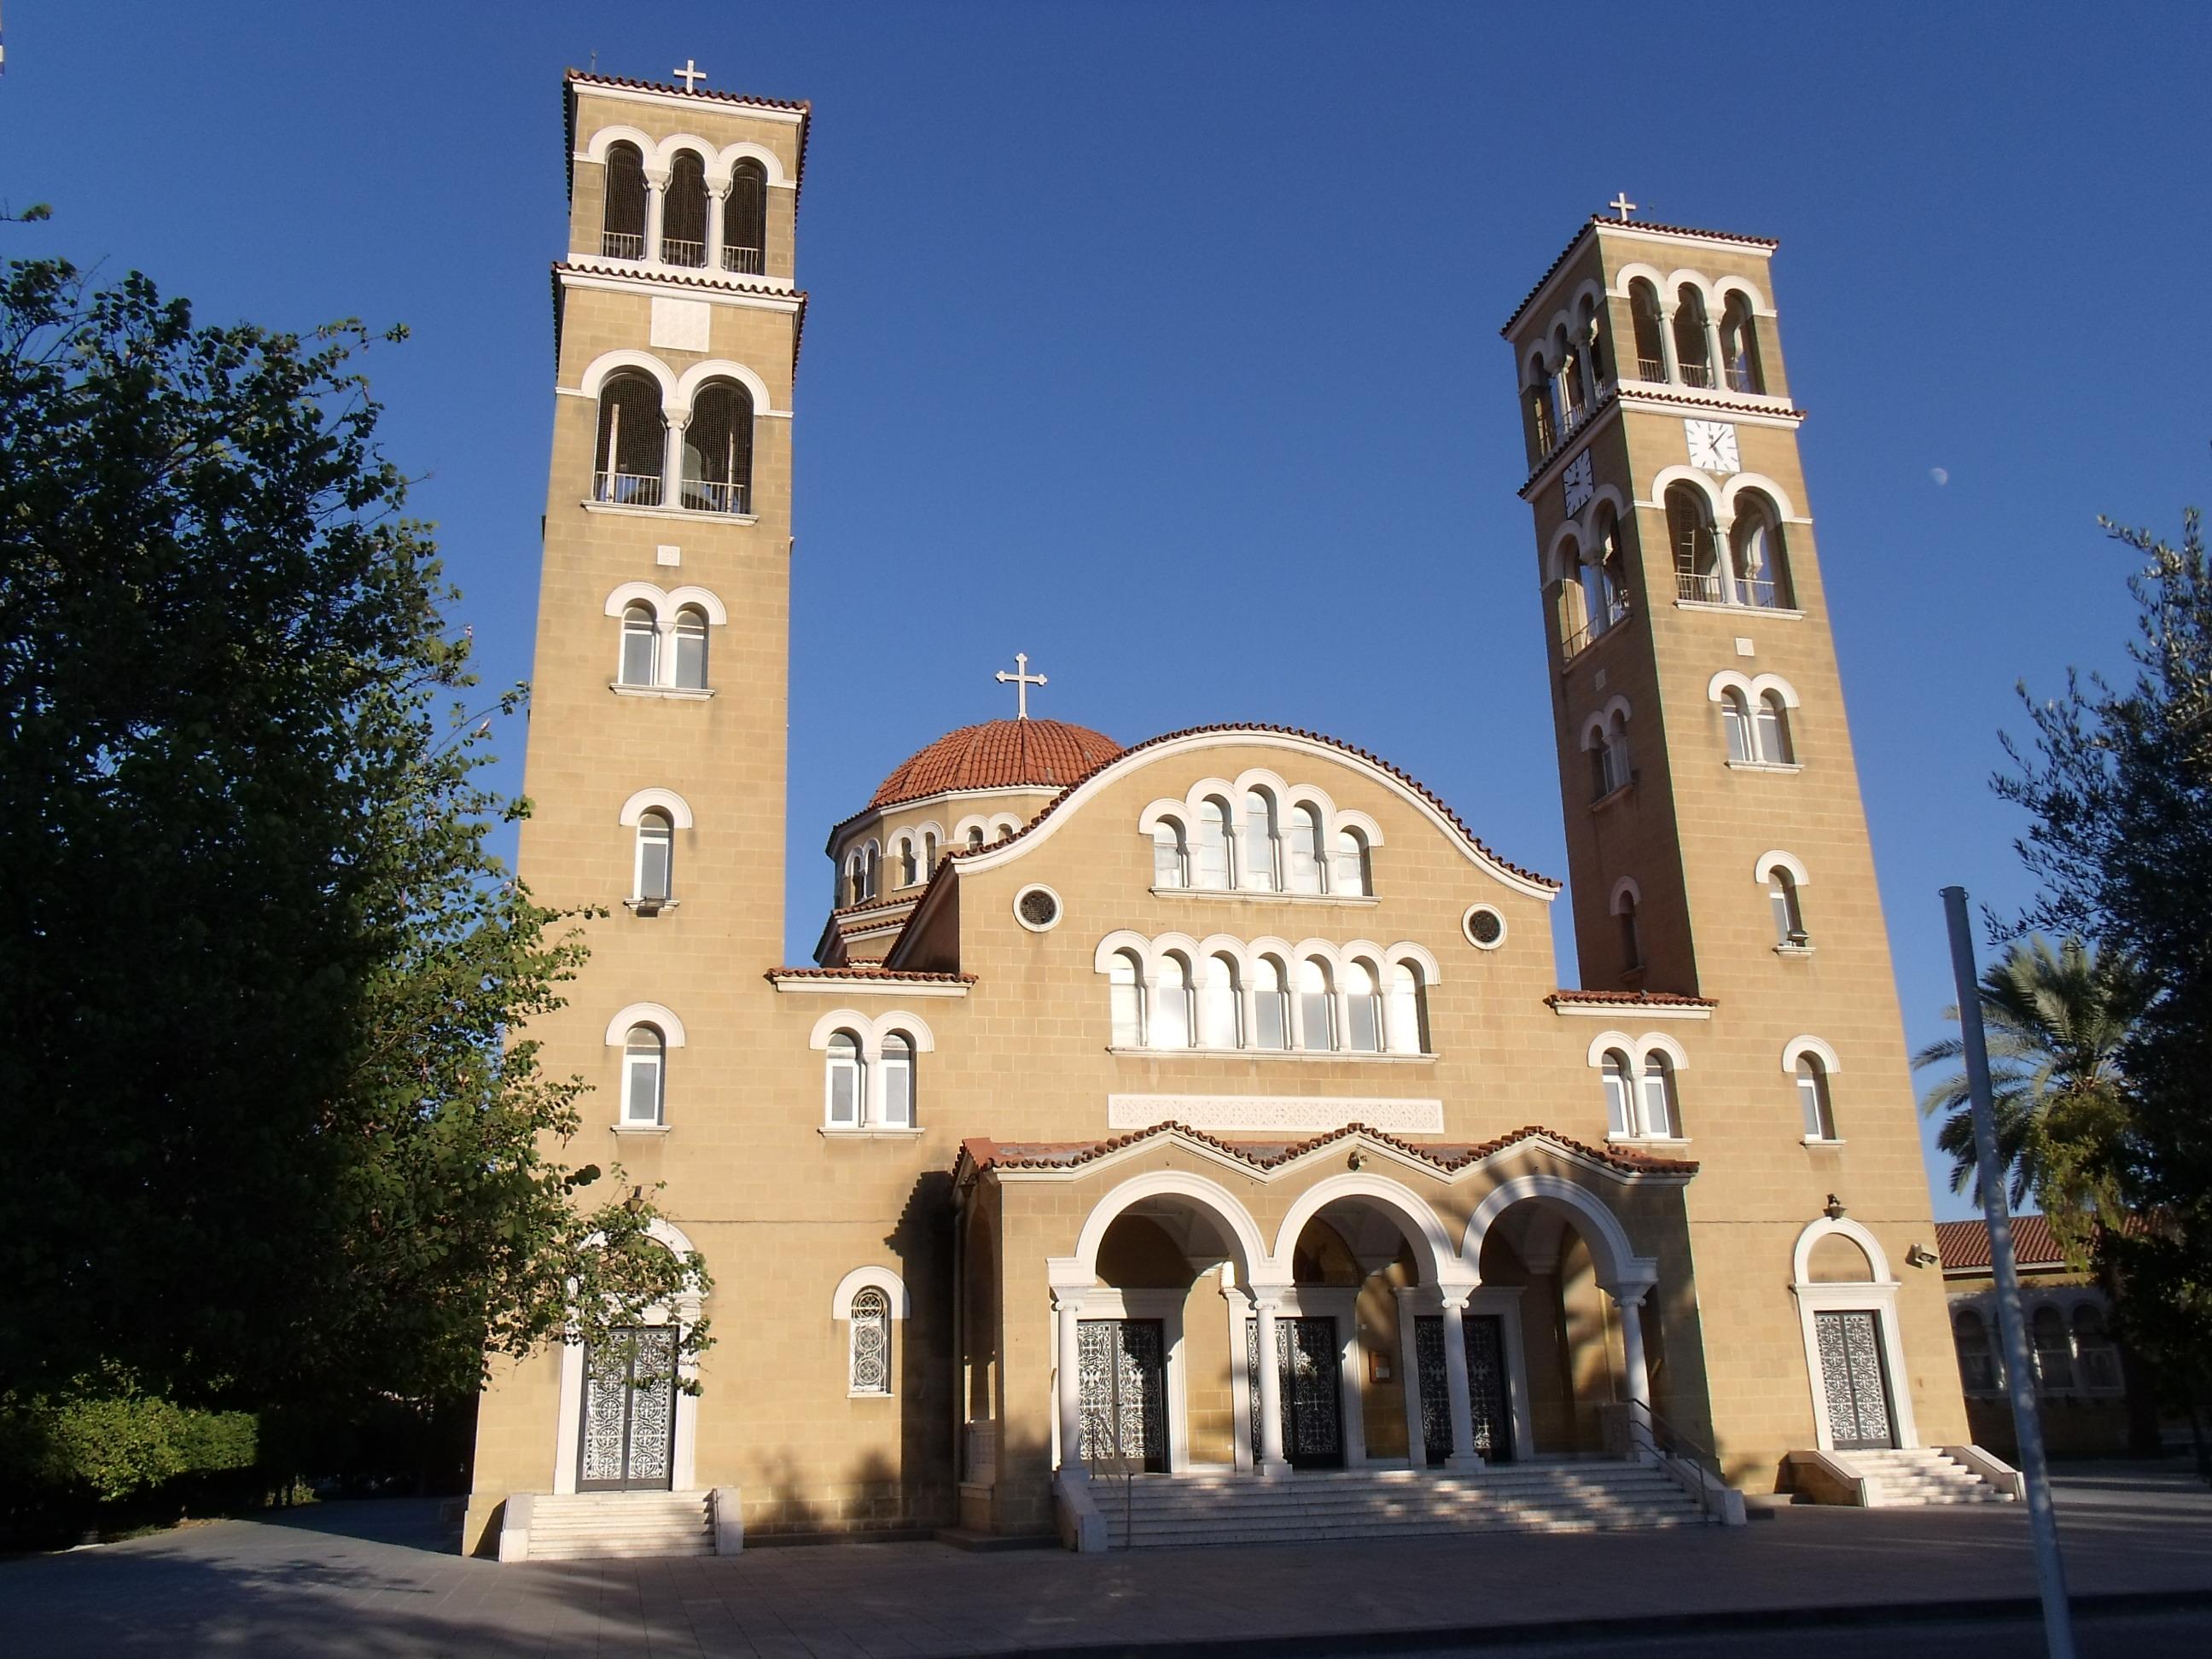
(1717, 846)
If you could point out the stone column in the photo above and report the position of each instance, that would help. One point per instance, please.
(1713, 350)
(671, 459)
(1666, 344)
(1637, 1380)
(1464, 1457)
(718, 203)
(1067, 1308)
(656, 205)
(1409, 1378)
(1265, 1304)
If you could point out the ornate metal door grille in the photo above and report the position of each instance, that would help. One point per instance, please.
(1121, 1383)
(1852, 1378)
(629, 1413)
(1486, 1397)
(1436, 1394)
(1312, 1372)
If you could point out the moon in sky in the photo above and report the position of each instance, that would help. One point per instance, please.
(1942, 475)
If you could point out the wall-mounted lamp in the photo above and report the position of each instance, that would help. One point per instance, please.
(1834, 1208)
(1357, 1160)
(1919, 1256)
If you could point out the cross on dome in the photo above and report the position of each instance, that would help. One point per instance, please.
(690, 73)
(1021, 680)
(1621, 205)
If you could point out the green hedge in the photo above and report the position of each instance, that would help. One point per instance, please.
(113, 1446)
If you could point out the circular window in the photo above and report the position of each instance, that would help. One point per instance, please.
(1038, 909)
(1484, 927)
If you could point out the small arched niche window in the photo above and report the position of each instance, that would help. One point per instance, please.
(871, 871)
(1607, 746)
(856, 877)
(1632, 937)
(870, 1320)
(1663, 1112)
(1363, 1009)
(622, 225)
(1126, 1000)
(1316, 1007)
(929, 850)
(641, 645)
(632, 441)
(1735, 720)
(1302, 849)
(691, 649)
(683, 213)
(844, 1083)
(745, 220)
(1573, 401)
(1350, 873)
(1690, 352)
(1171, 854)
(1220, 1004)
(1978, 1361)
(645, 1059)
(1813, 1100)
(718, 450)
(897, 1063)
(1258, 854)
(1644, 317)
(1619, 1093)
(1604, 576)
(1788, 908)
(654, 878)
(1740, 345)
(2054, 1353)
(1271, 1005)
(1772, 729)
(1697, 576)
(1589, 334)
(1171, 1004)
(2094, 1352)
(1407, 1010)
(1761, 575)
(1540, 414)
(908, 866)
(974, 837)
(1210, 851)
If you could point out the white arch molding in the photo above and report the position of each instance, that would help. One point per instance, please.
(1752, 686)
(1638, 1048)
(569, 1412)
(1416, 1220)
(1758, 483)
(1618, 1267)
(1877, 1296)
(656, 799)
(666, 602)
(870, 1278)
(646, 1013)
(1775, 859)
(872, 1030)
(1625, 888)
(1079, 1271)
(1798, 1045)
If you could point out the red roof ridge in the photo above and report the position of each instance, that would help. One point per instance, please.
(677, 274)
(864, 970)
(591, 77)
(1631, 999)
(1447, 1156)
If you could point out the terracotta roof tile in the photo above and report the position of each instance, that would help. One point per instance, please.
(988, 1154)
(865, 970)
(998, 755)
(1597, 221)
(588, 78)
(1965, 1245)
(1629, 999)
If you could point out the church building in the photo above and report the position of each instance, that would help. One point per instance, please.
(1186, 1136)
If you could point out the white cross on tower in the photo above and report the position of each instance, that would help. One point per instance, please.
(1622, 205)
(1021, 680)
(690, 73)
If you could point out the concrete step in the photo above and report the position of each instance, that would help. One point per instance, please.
(610, 1525)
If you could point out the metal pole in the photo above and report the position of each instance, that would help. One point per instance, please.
(2019, 1376)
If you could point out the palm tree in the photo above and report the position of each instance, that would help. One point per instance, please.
(2056, 1017)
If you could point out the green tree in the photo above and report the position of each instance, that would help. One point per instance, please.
(272, 1139)
(2057, 1019)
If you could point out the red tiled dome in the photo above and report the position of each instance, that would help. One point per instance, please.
(999, 755)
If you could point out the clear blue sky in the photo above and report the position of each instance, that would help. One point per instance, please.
(1160, 341)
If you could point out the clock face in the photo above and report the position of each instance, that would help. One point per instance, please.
(1577, 483)
(1712, 445)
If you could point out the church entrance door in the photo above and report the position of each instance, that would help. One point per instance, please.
(1310, 1370)
(1121, 1378)
(1852, 1377)
(629, 1413)
(1486, 1401)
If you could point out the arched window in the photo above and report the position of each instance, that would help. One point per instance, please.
(1210, 857)
(2054, 1353)
(1607, 745)
(909, 870)
(1317, 1005)
(1735, 720)
(1258, 854)
(1631, 938)
(1126, 997)
(1773, 729)
(1590, 335)
(683, 213)
(1740, 345)
(1171, 1004)
(1690, 353)
(1271, 1005)
(745, 220)
(871, 871)
(1644, 316)
(2095, 1353)
(645, 1055)
(1363, 1010)
(1788, 913)
(897, 1063)
(929, 850)
(844, 1082)
(621, 226)
(691, 649)
(632, 441)
(1761, 575)
(1697, 576)
(641, 645)
(1350, 872)
(1574, 404)
(654, 878)
(1619, 1094)
(974, 837)
(854, 875)
(718, 450)
(1812, 1099)
(1540, 415)
(1304, 849)
(870, 1320)
(1409, 1011)
(1219, 1005)
(1604, 585)
(1663, 1114)
(1978, 1359)
(1171, 854)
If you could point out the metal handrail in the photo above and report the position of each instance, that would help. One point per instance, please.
(1662, 1437)
(749, 261)
(681, 251)
(1741, 379)
(1698, 374)
(622, 245)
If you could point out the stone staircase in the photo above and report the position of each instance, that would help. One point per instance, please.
(620, 1523)
(1179, 1510)
(1927, 1475)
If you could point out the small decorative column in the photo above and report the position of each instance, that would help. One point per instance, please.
(718, 203)
(1464, 1457)
(1067, 1308)
(1636, 1382)
(656, 204)
(1409, 1378)
(1713, 352)
(1587, 368)
(671, 462)
(1271, 1461)
(1666, 345)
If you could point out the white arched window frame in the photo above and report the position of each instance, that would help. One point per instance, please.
(909, 867)
(869, 1302)
(640, 662)
(1407, 1009)
(1210, 846)
(897, 1091)
(645, 1066)
(664, 636)
(1171, 1002)
(1362, 1020)
(872, 1081)
(1171, 854)
(1878, 1292)
(1260, 834)
(1271, 1004)
(1642, 1079)
(1124, 980)
(1256, 861)
(1221, 1003)
(1305, 860)
(1811, 1065)
(1756, 712)
(1784, 877)
(690, 665)
(1350, 867)
(1316, 1007)
(653, 875)
(844, 1083)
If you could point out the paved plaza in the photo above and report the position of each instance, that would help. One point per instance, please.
(378, 1579)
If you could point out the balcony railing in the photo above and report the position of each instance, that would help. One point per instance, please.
(1717, 587)
(627, 489)
(676, 251)
(750, 261)
(707, 496)
(1581, 639)
(1698, 374)
(1741, 379)
(620, 245)
(1651, 368)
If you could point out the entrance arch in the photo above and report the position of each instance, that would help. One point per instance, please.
(1854, 1355)
(683, 1438)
